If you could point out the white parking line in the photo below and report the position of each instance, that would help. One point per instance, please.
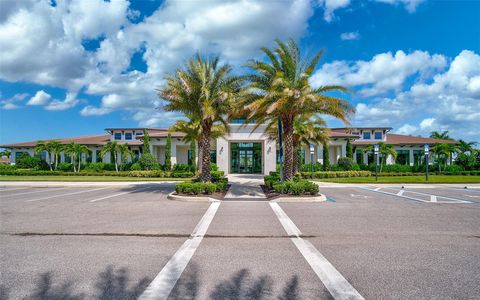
(400, 193)
(457, 201)
(120, 194)
(15, 189)
(33, 192)
(434, 198)
(336, 284)
(68, 194)
(162, 285)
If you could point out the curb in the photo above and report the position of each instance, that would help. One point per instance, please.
(319, 198)
(171, 196)
(45, 184)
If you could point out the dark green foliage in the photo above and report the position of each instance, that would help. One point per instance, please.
(168, 153)
(193, 152)
(25, 161)
(146, 142)
(466, 161)
(349, 149)
(333, 174)
(136, 167)
(213, 167)
(345, 164)
(308, 167)
(296, 188)
(326, 157)
(148, 162)
(196, 188)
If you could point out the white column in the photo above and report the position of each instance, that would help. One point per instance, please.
(223, 155)
(269, 156)
(343, 149)
(319, 153)
(365, 158)
(62, 156)
(94, 155)
(410, 154)
(173, 152)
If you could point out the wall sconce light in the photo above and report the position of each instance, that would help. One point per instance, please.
(269, 149)
(221, 150)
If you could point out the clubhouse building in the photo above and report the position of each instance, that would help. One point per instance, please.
(245, 149)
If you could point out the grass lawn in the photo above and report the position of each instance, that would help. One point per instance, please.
(406, 179)
(85, 178)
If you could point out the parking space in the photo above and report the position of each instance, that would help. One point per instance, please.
(113, 242)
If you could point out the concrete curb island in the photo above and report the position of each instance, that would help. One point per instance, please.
(173, 196)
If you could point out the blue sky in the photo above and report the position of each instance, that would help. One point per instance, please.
(75, 68)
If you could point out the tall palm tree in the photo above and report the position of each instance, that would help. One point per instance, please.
(193, 132)
(463, 146)
(45, 147)
(5, 153)
(385, 150)
(113, 148)
(75, 151)
(205, 91)
(56, 148)
(443, 151)
(280, 89)
(440, 135)
(307, 129)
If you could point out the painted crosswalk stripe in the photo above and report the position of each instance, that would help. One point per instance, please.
(68, 194)
(162, 285)
(120, 194)
(335, 283)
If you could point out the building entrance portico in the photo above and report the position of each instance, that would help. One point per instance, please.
(246, 158)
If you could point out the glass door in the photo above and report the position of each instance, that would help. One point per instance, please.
(246, 157)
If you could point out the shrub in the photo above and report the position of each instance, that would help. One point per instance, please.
(345, 164)
(182, 167)
(97, 166)
(148, 162)
(308, 167)
(135, 167)
(216, 175)
(7, 167)
(213, 167)
(25, 161)
(454, 169)
(337, 174)
(181, 174)
(200, 187)
(296, 188)
(65, 167)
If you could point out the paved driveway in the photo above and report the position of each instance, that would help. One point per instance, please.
(128, 242)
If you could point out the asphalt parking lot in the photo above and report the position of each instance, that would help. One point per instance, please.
(376, 242)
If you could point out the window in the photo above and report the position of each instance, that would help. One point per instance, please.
(366, 135)
(117, 136)
(418, 157)
(378, 135)
(20, 153)
(213, 156)
(370, 158)
(403, 157)
(97, 154)
(67, 158)
(128, 136)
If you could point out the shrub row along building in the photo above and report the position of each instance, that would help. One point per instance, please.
(244, 150)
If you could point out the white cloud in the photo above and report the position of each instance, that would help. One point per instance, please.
(330, 6)
(448, 100)
(69, 102)
(348, 36)
(12, 103)
(410, 5)
(40, 98)
(383, 73)
(90, 110)
(407, 129)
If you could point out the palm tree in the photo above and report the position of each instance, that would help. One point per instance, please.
(463, 146)
(193, 132)
(280, 89)
(45, 147)
(75, 151)
(113, 148)
(440, 135)
(306, 130)
(124, 152)
(56, 148)
(385, 150)
(203, 90)
(5, 153)
(443, 151)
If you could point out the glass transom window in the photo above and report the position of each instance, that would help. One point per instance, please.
(378, 135)
(117, 136)
(128, 136)
(366, 135)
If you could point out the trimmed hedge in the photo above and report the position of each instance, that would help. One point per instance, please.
(336, 174)
(196, 188)
(296, 188)
(146, 174)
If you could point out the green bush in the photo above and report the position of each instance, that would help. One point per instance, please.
(148, 162)
(200, 187)
(335, 174)
(308, 167)
(136, 167)
(97, 166)
(216, 175)
(296, 188)
(65, 167)
(182, 167)
(345, 164)
(181, 174)
(7, 167)
(213, 167)
(25, 161)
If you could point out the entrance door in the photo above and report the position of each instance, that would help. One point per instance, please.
(246, 157)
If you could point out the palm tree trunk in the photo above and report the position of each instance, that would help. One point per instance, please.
(116, 163)
(200, 153)
(79, 162)
(288, 140)
(56, 161)
(74, 162)
(50, 161)
(296, 159)
(205, 174)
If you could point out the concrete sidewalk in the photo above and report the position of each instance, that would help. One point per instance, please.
(245, 186)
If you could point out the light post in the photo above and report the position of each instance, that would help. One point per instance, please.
(427, 150)
(312, 150)
(376, 148)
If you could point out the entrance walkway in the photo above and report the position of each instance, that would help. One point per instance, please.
(245, 186)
